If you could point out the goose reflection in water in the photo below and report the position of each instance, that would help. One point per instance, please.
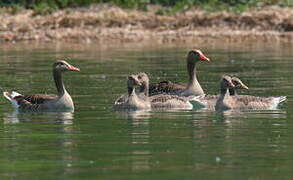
(233, 116)
(56, 117)
(140, 136)
(135, 115)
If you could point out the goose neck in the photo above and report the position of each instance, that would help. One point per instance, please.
(223, 89)
(146, 89)
(232, 92)
(59, 82)
(191, 72)
(130, 90)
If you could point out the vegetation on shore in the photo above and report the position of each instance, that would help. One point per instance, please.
(167, 6)
(105, 23)
(162, 20)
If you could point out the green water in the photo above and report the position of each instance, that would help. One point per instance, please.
(95, 142)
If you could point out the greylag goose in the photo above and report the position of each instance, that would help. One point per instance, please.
(209, 101)
(226, 101)
(132, 101)
(163, 101)
(192, 87)
(46, 102)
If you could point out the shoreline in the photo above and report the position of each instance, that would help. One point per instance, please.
(110, 24)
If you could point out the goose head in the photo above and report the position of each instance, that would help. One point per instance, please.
(226, 83)
(62, 66)
(196, 55)
(238, 83)
(144, 80)
(132, 81)
(193, 57)
(59, 67)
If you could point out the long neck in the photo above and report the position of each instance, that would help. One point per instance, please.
(131, 90)
(223, 102)
(58, 82)
(223, 89)
(193, 86)
(144, 89)
(232, 91)
(191, 72)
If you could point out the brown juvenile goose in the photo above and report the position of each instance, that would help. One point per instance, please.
(209, 101)
(225, 101)
(192, 87)
(132, 101)
(46, 102)
(163, 101)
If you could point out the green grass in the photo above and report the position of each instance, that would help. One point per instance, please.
(168, 6)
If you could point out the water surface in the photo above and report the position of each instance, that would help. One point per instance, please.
(96, 142)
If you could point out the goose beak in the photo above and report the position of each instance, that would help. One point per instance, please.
(244, 87)
(203, 58)
(139, 83)
(72, 68)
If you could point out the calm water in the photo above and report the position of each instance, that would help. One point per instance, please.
(95, 142)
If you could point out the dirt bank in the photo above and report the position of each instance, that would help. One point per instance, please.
(107, 23)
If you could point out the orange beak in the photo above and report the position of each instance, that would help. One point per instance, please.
(72, 68)
(203, 58)
(244, 87)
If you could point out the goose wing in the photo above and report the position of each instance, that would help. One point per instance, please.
(170, 102)
(39, 98)
(166, 87)
(255, 102)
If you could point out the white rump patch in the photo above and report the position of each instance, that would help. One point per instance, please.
(11, 96)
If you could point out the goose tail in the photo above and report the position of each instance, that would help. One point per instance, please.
(282, 98)
(278, 100)
(12, 98)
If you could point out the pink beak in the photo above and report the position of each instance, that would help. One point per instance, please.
(204, 58)
(72, 68)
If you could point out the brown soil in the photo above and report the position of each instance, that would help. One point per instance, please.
(107, 23)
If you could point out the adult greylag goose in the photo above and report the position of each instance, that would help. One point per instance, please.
(132, 101)
(46, 102)
(226, 101)
(192, 87)
(163, 101)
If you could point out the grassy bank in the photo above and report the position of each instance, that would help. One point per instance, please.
(110, 23)
(166, 6)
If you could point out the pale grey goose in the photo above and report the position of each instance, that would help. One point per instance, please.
(132, 101)
(226, 101)
(46, 102)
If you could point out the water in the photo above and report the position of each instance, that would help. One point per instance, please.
(95, 142)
